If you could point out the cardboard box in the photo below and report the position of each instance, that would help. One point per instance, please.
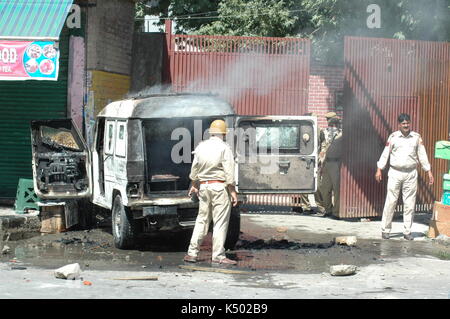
(441, 212)
(52, 219)
(438, 228)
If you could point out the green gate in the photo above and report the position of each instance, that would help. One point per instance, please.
(21, 102)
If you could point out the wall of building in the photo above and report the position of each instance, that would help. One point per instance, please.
(109, 45)
(147, 61)
(76, 80)
(107, 87)
(326, 84)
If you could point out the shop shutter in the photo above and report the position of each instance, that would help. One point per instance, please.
(21, 102)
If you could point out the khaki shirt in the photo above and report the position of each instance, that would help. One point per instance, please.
(405, 152)
(327, 136)
(213, 160)
(334, 151)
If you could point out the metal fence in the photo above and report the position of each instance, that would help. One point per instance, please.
(257, 75)
(385, 77)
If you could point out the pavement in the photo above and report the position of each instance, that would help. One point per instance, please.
(22, 226)
(18, 226)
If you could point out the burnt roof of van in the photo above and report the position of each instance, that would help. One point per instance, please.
(168, 106)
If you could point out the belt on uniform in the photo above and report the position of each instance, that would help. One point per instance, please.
(405, 170)
(211, 182)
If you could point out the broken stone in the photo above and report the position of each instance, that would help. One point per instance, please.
(342, 270)
(346, 240)
(443, 239)
(70, 272)
(6, 250)
(282, 229)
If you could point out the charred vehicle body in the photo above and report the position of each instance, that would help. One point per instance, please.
(139, 163)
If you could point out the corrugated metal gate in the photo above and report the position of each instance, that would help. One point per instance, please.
(257, 75)
(21, 102)
(384, 77)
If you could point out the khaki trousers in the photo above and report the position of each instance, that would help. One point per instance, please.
(329, 187)
(407, 183)
(215, 205)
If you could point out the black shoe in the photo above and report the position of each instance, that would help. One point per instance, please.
(408, 237)
(385, 235)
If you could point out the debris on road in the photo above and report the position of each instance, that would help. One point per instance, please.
(138, 278)
(346, 240)
(280, 244)
(87, 283)
(282, 229)
(6, 250)
(342, 270)
(443, 240)
(70, 272)
(18, 268)
(221, 270)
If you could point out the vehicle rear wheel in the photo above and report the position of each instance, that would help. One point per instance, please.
(123, 225)
(234, 228)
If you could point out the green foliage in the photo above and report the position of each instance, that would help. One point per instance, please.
(189, 15)
(332, 20)
(252, 18)
(325, 22)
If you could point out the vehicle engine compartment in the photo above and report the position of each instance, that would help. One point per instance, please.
(61, 172)
(60, 160)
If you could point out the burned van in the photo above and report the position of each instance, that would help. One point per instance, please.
(139, 163)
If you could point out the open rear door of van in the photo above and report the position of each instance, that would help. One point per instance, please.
(60, 159)
(276, 154)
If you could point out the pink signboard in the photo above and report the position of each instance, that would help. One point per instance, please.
(28, 60)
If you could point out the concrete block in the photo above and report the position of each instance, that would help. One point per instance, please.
(342, 270)
(70, 272)
(346, 240)
(53, 219)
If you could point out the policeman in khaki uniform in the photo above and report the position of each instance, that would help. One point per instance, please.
(212, 175)
(329, 165)
(405, 151)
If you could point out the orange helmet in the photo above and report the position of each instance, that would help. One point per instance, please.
(218, 127)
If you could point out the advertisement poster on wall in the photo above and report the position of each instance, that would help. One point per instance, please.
(28, 60)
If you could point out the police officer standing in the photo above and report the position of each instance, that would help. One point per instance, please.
(212, 176)
(329, 166)
(405, 150)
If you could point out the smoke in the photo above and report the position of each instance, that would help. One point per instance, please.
(261, 73)
(156, 89)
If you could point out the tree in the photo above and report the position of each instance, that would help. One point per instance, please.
(252, 18)
(325, 22)
(189, 15)
(331, 20)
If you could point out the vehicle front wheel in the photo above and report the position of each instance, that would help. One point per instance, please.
(123, 225)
